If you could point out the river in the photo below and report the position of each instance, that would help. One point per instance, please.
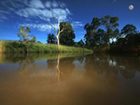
(57, 80)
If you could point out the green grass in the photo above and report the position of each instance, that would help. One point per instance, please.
(20, 47)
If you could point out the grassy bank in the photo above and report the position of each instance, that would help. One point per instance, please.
(20, 47)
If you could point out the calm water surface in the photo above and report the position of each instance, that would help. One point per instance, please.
(54, 80)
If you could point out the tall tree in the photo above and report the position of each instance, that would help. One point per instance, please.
(57, 16)
(67, 34)
(111, 26)
(51, 39)
(80, 43)
(99, 36)
(129, 29)
(95, 24)
(89, 39)
(33, 39)
(23, 33)
(91, 30)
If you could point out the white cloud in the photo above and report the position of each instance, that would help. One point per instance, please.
(53, 10)
(50, 27)
(36, 4)
(34, 12)
(42, 27)
(37, 9)
(50, 12)
(60, 14)
(62, 5)
(55, 4)
(77, 24)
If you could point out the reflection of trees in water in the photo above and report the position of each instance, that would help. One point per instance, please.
(105, 64)
(56, 67)
(66, 66)
(101, 63)
(62, 67)
(17, 58)
(80, 63)
(58, 74)
(128, 66)
(27, 64)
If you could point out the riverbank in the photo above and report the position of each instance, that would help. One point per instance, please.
(120, 50)
(29, 47)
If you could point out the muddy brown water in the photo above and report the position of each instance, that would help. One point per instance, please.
(85, 80)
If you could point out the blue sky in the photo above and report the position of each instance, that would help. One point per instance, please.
(43, 16)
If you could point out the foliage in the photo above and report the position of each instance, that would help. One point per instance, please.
(33, 39)
(16, 47)
(67, 34)
(51, 39)
(80, 44)
(100, 31)
(129, 29)
(111, 25)
(91, 30)
(131, 43)
(23, 33)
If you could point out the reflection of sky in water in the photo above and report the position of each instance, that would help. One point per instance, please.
(81, 79)
(9, 67)
(127, 66)
(112, 63)
(41, 64)
(80, 65)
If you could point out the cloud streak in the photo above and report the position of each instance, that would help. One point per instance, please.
(50, 13)
(42, 27)
(51, 10)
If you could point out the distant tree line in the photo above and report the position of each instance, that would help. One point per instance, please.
(104, 33)
(128, 40)
(100, 32)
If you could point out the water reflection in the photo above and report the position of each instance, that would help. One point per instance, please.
(61, 80)
(103, 64)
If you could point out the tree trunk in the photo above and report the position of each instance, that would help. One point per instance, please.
(58, 40)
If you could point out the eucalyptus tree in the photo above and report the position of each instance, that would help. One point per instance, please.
(91, 30)
(100, 36)
(66, 35)
(51, 39)
(111, 26)
(58, 15)
(129, 29)
(80, 43)
(23, 33)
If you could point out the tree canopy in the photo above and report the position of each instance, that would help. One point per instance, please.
(51, 39)
(101, 30)
(67, 34)
(129, 29)
(23, 33)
